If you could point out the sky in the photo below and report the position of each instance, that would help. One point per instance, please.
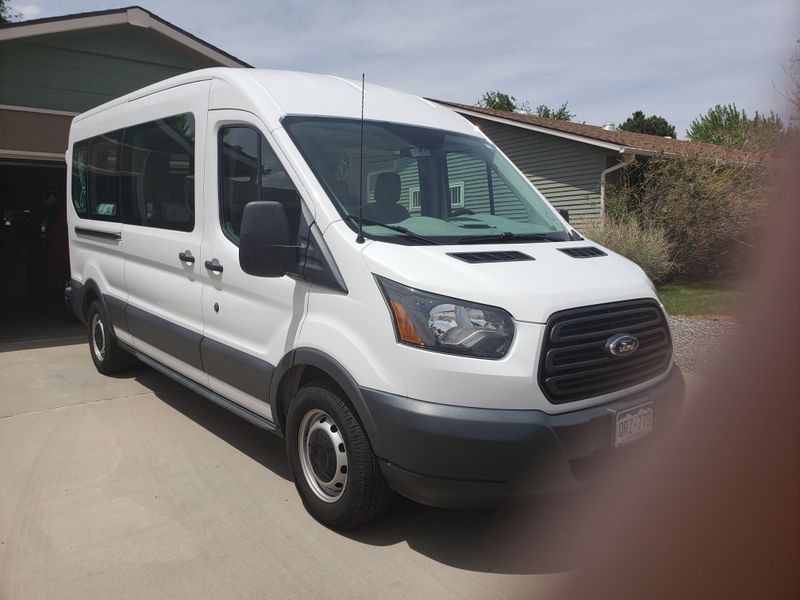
(674, 58)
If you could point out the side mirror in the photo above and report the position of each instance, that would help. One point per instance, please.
(564, 214)
(264, 249)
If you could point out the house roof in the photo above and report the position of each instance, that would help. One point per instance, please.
(131, 15)
(625, 142)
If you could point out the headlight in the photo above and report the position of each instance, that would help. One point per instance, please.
(445, 324)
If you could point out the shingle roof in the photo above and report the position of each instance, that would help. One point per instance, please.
(634, 143)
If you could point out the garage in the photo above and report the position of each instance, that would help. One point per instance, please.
(51, 70)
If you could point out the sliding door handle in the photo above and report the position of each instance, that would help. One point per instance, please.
(186, 257)
(213, 265)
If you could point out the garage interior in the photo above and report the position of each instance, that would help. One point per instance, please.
(51, 70)
(33, 245)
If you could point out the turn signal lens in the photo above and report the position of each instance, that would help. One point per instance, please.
(405, 328)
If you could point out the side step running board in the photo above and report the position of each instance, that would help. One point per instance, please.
(248, 415)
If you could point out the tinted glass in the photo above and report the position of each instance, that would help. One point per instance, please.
(158, 174)
(80, 178)
(238, 175)
(104, 177)
(249, 171)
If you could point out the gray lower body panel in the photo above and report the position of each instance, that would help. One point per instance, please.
(446, 455)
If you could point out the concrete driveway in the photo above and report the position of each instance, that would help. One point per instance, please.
(133, 487)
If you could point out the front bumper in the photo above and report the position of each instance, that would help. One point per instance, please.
(452, 456)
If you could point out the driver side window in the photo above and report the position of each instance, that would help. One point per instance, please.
(249, 170)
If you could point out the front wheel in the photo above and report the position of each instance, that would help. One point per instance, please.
(334, 469)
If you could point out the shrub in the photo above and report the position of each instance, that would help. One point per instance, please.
(648, 247)
(710, 211)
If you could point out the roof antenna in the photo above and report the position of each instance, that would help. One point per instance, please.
(360, 237)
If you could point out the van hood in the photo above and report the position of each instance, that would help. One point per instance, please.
(531, 290)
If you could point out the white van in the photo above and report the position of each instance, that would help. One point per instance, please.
(464, 346)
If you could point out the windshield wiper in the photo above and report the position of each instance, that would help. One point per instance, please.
(398, 228)
(508, 236)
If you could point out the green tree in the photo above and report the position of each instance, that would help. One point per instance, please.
(501, 101)
(8, 14)
(728, 126)
(652, 125)
(562, 113)
(498, 101)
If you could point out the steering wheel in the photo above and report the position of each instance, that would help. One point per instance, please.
(462, 211)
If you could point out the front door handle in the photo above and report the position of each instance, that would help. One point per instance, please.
(213, 265)
(186, 257)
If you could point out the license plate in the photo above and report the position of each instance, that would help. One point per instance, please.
(633, 424)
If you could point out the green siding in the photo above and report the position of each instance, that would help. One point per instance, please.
(76, 71)
(463, 170)
(566, 172)
(472, 173)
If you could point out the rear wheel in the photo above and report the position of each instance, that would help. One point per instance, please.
(107, 356)
(334, 468)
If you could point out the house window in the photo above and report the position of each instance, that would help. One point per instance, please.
(415, 203)
(456, 196)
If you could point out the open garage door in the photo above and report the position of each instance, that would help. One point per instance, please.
(33, 246)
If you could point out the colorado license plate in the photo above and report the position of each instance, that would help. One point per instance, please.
(633, 424)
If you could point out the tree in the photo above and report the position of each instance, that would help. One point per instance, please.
(8, 14)
(498, 101)
(652, 125)
(728, 126)
(501, 101)
(562, 113)
(792, 69)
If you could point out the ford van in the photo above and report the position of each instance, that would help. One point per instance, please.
(378, 284)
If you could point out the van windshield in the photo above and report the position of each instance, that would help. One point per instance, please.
(430, 185)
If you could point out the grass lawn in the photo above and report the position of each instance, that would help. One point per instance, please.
(698, 299)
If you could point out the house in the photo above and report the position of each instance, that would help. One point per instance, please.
(571, 163)
(51, 70)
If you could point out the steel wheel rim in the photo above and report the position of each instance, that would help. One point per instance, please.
(323, 455)
(98, 338)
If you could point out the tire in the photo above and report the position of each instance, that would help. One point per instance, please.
(108, 357)
(334, 469)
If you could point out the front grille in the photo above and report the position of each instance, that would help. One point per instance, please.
(575, 363)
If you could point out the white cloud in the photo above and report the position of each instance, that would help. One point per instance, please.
(28, 11)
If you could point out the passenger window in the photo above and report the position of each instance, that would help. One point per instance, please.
(158, 179)
(249, 171)
(103, 167)
(80, 178)
(95, 178)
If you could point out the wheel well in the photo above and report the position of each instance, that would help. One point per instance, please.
(89, 296)
(295, 378)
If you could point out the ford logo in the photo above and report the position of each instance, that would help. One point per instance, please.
(622, 345)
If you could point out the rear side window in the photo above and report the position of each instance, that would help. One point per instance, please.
(249, 170)
(96, 176)
(80, 178)
(142, 175)
(103, 168)
(158, 179)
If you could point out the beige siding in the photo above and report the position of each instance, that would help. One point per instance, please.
(566, 172)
